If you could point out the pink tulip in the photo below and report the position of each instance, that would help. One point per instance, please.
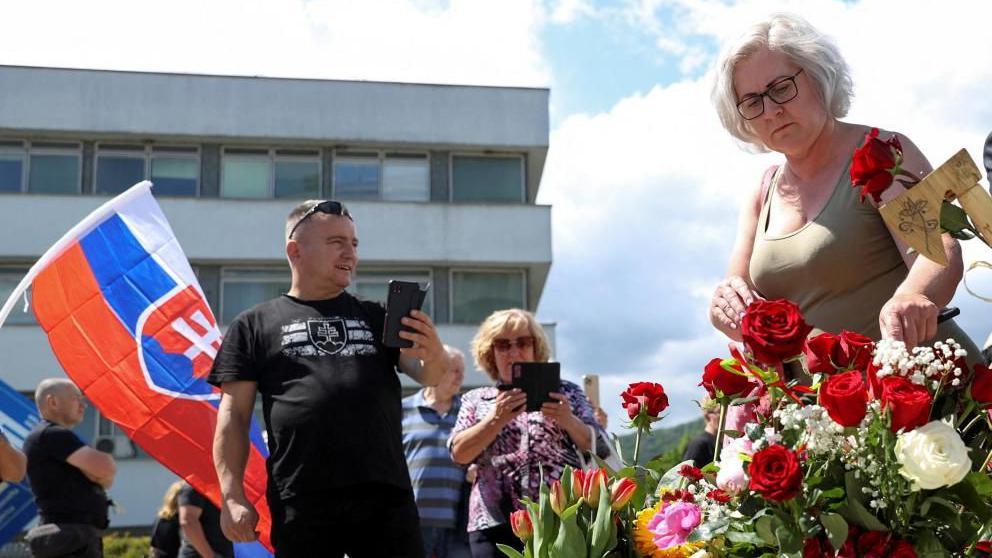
(558, 499)
(521, 524)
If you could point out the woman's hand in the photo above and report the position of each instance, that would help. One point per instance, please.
(731, 297)
(910, 318)
(558, 410)
(509, 405)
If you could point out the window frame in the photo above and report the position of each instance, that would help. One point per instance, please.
(503, 270)
(285, 274)
(8, 267)
(25, 155)
(33, 149)
(479, 154)
(271, 155)
(404, 274)
(380, 156)
(147, 152)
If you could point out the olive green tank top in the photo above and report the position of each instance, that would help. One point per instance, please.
(840, 268)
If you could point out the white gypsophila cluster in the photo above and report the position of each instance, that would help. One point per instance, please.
(821, 435)
(923, 366)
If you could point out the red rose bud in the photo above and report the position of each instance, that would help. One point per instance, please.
(731, 384)
(981, 385)
(775, 474)
(690, 472)
(621, 492)
(845, 397)
(590, 486)
(559, 501)
(908, 403)
(902, 549)
(875, 164)
(774, 330)
(822, 353)
(718, 495)
(677, 495)
(647, 395)
(522, 525)
(856, 350)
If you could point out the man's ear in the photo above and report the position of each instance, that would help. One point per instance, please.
(292, 250)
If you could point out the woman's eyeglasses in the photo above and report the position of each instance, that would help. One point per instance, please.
(330, 207)
(522, 343)
(780, 92)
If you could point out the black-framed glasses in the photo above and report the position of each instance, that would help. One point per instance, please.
(522, 343)
(329, 207)
(780, 92)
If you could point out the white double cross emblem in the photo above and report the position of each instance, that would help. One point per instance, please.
(200, 344)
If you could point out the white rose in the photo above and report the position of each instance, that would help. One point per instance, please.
(932, 456)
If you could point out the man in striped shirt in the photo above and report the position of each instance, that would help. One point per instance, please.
(428, 417)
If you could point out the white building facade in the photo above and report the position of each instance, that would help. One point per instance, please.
(441, 181)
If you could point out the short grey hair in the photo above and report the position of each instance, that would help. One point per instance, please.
(794, 37)
(297, 213)
(50, 386)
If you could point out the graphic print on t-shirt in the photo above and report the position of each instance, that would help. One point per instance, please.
(327, 336)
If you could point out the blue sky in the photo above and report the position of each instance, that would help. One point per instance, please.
(643, 182)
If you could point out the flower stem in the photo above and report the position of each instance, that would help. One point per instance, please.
(719, 432)
(637, 445)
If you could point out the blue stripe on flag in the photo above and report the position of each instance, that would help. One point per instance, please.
(128, 276)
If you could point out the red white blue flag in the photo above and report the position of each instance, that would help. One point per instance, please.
(128, 322)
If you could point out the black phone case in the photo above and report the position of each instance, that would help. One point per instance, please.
(403, 297)
(537, 380)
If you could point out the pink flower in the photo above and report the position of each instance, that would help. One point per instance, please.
(731, 477)
(673, 524)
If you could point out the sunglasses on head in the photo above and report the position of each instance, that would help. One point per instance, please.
(329, 207)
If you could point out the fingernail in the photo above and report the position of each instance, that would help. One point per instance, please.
(733, 326)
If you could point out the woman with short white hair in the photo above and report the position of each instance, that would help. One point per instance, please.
(803, 233)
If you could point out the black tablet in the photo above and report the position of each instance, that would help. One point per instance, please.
(537, 380)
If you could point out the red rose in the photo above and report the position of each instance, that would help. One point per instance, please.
(812, 548)
(822, 353)
(874, 544)
(690, 473)
(845, 398)
(649, 395)
(856, 350)
(774, 330)
(718, 495)
(981, 385)
(775, 473)
(875, 164)
(909, 403)
(732, 384)
(902, 549)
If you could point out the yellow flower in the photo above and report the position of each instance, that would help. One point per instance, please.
(644, 538)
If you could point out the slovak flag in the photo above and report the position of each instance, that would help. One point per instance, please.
(128, 322)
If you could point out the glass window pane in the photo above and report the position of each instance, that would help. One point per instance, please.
(487, 179)
(245, 178)
(405, 180)
(297, 179)
(115, 174)
(374, 285)
(175, 176)
(356, 179)
(11, 172)
(242, 295)
(54, 174)
(9, 278)
(478, 294)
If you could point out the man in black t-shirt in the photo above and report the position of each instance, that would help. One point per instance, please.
(702, 447)
(68, 478)
(338, 481)
(199, 521)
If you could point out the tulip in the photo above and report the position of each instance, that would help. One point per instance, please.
(621, 492)
(559, 501)
(590, 486)
(521, 524)
(578, 479)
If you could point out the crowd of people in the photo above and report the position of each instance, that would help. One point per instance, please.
(356, 469)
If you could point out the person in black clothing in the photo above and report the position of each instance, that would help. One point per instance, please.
(338, 480)
(702, 447)
(68, 478)
(165, 539)
(200, 523)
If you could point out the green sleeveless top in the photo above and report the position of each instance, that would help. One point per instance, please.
(840, 268)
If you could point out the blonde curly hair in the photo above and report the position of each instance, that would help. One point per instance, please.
(498, 323)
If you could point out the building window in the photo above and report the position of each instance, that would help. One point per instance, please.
(109, 438)
(173, 170)
(243, 288)
(476, 294)
(40, 167)
(487, 179)
(373, 285)
(381, 176)
(9, 279)
(268, 173)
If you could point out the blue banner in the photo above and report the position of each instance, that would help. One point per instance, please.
(18, 415)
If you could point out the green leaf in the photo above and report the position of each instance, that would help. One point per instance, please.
(545, 524)
(854, 510)
(953, 219)
(764, 527)
(672, 478)
(973, 501)
(789, 541)
(980, 482)
(570, 541)
(602, 526)
(928, 546)
(511, 552)
(742, 537)
(836, 528)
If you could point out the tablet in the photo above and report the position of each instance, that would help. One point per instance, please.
(537, 380)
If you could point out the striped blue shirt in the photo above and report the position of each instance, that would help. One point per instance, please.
(436, 479)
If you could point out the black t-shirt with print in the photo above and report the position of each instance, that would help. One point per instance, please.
(330, 392)
(62, 491)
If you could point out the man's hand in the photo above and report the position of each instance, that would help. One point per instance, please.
(427, 344)
(238, 520)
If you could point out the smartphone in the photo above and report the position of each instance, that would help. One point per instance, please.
(403, 297)
(590, 385)
(947, 313)
(537, 380)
